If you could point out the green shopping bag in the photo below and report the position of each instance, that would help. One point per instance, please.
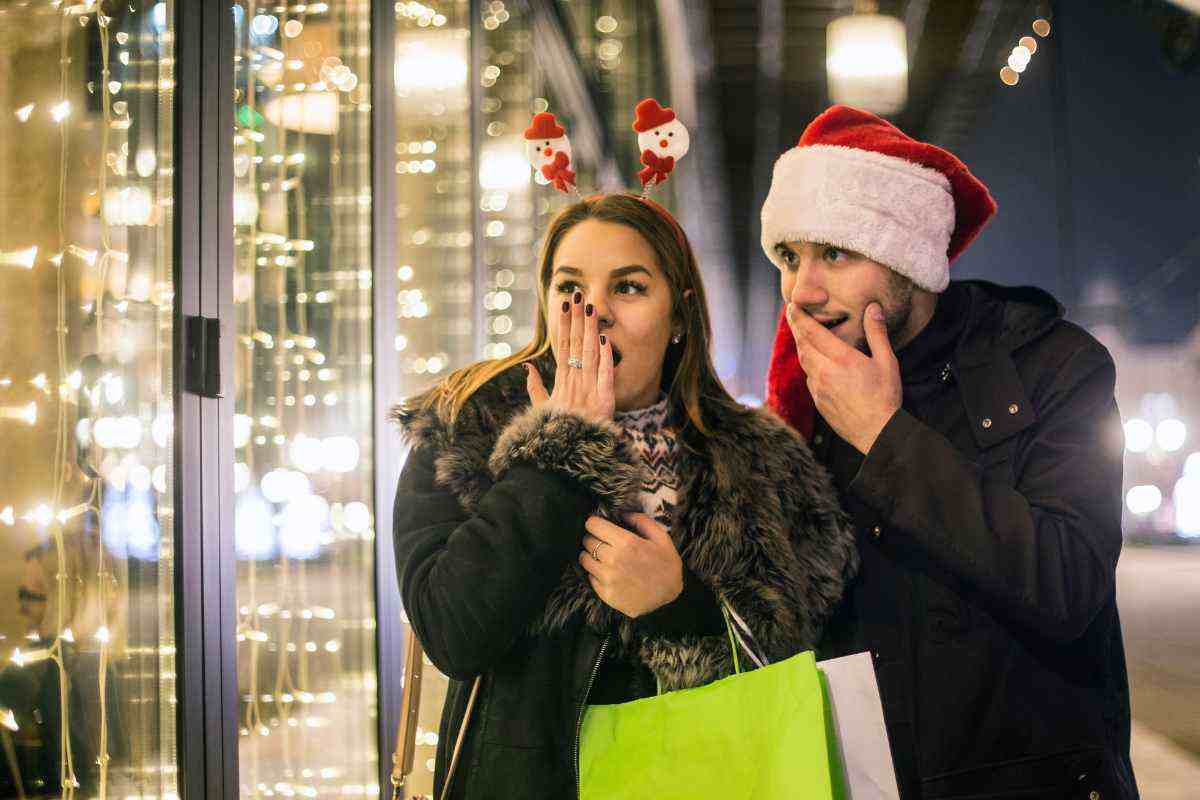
(763, 734)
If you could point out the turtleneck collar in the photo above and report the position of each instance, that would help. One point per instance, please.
(650, 418)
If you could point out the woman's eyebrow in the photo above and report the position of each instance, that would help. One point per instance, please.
(619, 272)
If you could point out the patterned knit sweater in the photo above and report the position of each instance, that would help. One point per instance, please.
(621, 678)
(647, 433)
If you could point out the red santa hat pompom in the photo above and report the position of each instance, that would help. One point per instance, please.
(858, 182)
(544, 126)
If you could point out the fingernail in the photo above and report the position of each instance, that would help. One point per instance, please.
(578, 297)
(588, 309)
(875, 311)
(603, 339)
(566, 306)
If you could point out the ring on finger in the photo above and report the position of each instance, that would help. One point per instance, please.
(575, 361)
(595, 552)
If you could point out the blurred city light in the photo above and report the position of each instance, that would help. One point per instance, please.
(867, 62)
(1143, 499)
(1139, 436)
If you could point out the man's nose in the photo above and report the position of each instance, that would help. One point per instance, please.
(808, 289)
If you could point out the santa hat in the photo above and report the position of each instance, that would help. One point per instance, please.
(858, 182)
(649, 115)
(544, 126)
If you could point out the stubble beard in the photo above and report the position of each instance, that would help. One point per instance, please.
(897, 303)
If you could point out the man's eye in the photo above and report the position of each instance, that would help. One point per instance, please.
(833, 254)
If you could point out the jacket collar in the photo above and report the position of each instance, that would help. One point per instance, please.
(1003, 319)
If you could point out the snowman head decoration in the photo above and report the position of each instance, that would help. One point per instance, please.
(662, 141)
(662, 138)
(549, 151)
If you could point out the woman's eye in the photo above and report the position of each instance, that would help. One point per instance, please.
(630, 287)
(565, 287)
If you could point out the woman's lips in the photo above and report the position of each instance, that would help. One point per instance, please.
(616, 351)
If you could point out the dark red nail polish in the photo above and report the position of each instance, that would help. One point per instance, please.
(588, 309)
(603, 339)
(566, 306)
(578, 297)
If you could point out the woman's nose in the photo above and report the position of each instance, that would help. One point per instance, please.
(602, 311)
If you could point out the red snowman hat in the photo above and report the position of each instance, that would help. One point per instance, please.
(650, 115)
(544, 126)
(858, 182)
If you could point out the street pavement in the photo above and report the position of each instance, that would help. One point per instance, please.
(1158, 595)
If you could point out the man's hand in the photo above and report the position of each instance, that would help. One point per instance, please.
(635, 574)
(856, 394)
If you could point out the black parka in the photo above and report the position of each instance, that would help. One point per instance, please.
(489, 519)
(988, 522)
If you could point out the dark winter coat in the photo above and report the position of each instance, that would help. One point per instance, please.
(489, 523)
(988, 520)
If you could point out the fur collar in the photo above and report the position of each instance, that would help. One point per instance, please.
(757, 519)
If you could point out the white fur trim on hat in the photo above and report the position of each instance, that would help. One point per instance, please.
(893, 211)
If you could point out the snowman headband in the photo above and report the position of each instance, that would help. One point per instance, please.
(662, 139)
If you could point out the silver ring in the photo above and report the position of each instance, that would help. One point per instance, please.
(594, 551)
(575, 361)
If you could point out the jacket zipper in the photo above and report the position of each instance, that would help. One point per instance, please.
(583, 708)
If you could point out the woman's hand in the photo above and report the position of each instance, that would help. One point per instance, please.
(635, 573)
(583, 382)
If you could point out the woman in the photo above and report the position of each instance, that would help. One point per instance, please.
(571, 544)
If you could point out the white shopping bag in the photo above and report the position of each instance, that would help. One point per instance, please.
(862, 738)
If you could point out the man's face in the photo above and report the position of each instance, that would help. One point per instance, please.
(835, 286)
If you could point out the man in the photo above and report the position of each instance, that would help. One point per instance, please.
(974, 438)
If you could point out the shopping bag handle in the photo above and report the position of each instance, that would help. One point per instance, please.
(743, 635)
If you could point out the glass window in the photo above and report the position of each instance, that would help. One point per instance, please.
(87, 680)
(304, 517)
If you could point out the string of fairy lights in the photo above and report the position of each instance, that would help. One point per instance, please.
(124, 293)
(304, 528)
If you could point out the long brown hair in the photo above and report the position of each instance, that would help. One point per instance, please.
(688, 373)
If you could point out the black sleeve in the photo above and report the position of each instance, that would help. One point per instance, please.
(1045, 549)
(695, 611)
(472, 582)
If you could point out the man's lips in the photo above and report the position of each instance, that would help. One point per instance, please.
(829, 323)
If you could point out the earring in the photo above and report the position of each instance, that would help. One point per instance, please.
(677, 338)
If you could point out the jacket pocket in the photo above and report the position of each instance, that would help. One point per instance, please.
(1081, 774)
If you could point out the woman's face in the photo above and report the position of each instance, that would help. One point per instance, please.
(616, 270)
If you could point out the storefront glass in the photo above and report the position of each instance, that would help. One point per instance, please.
(87, 686)
(304, 532)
